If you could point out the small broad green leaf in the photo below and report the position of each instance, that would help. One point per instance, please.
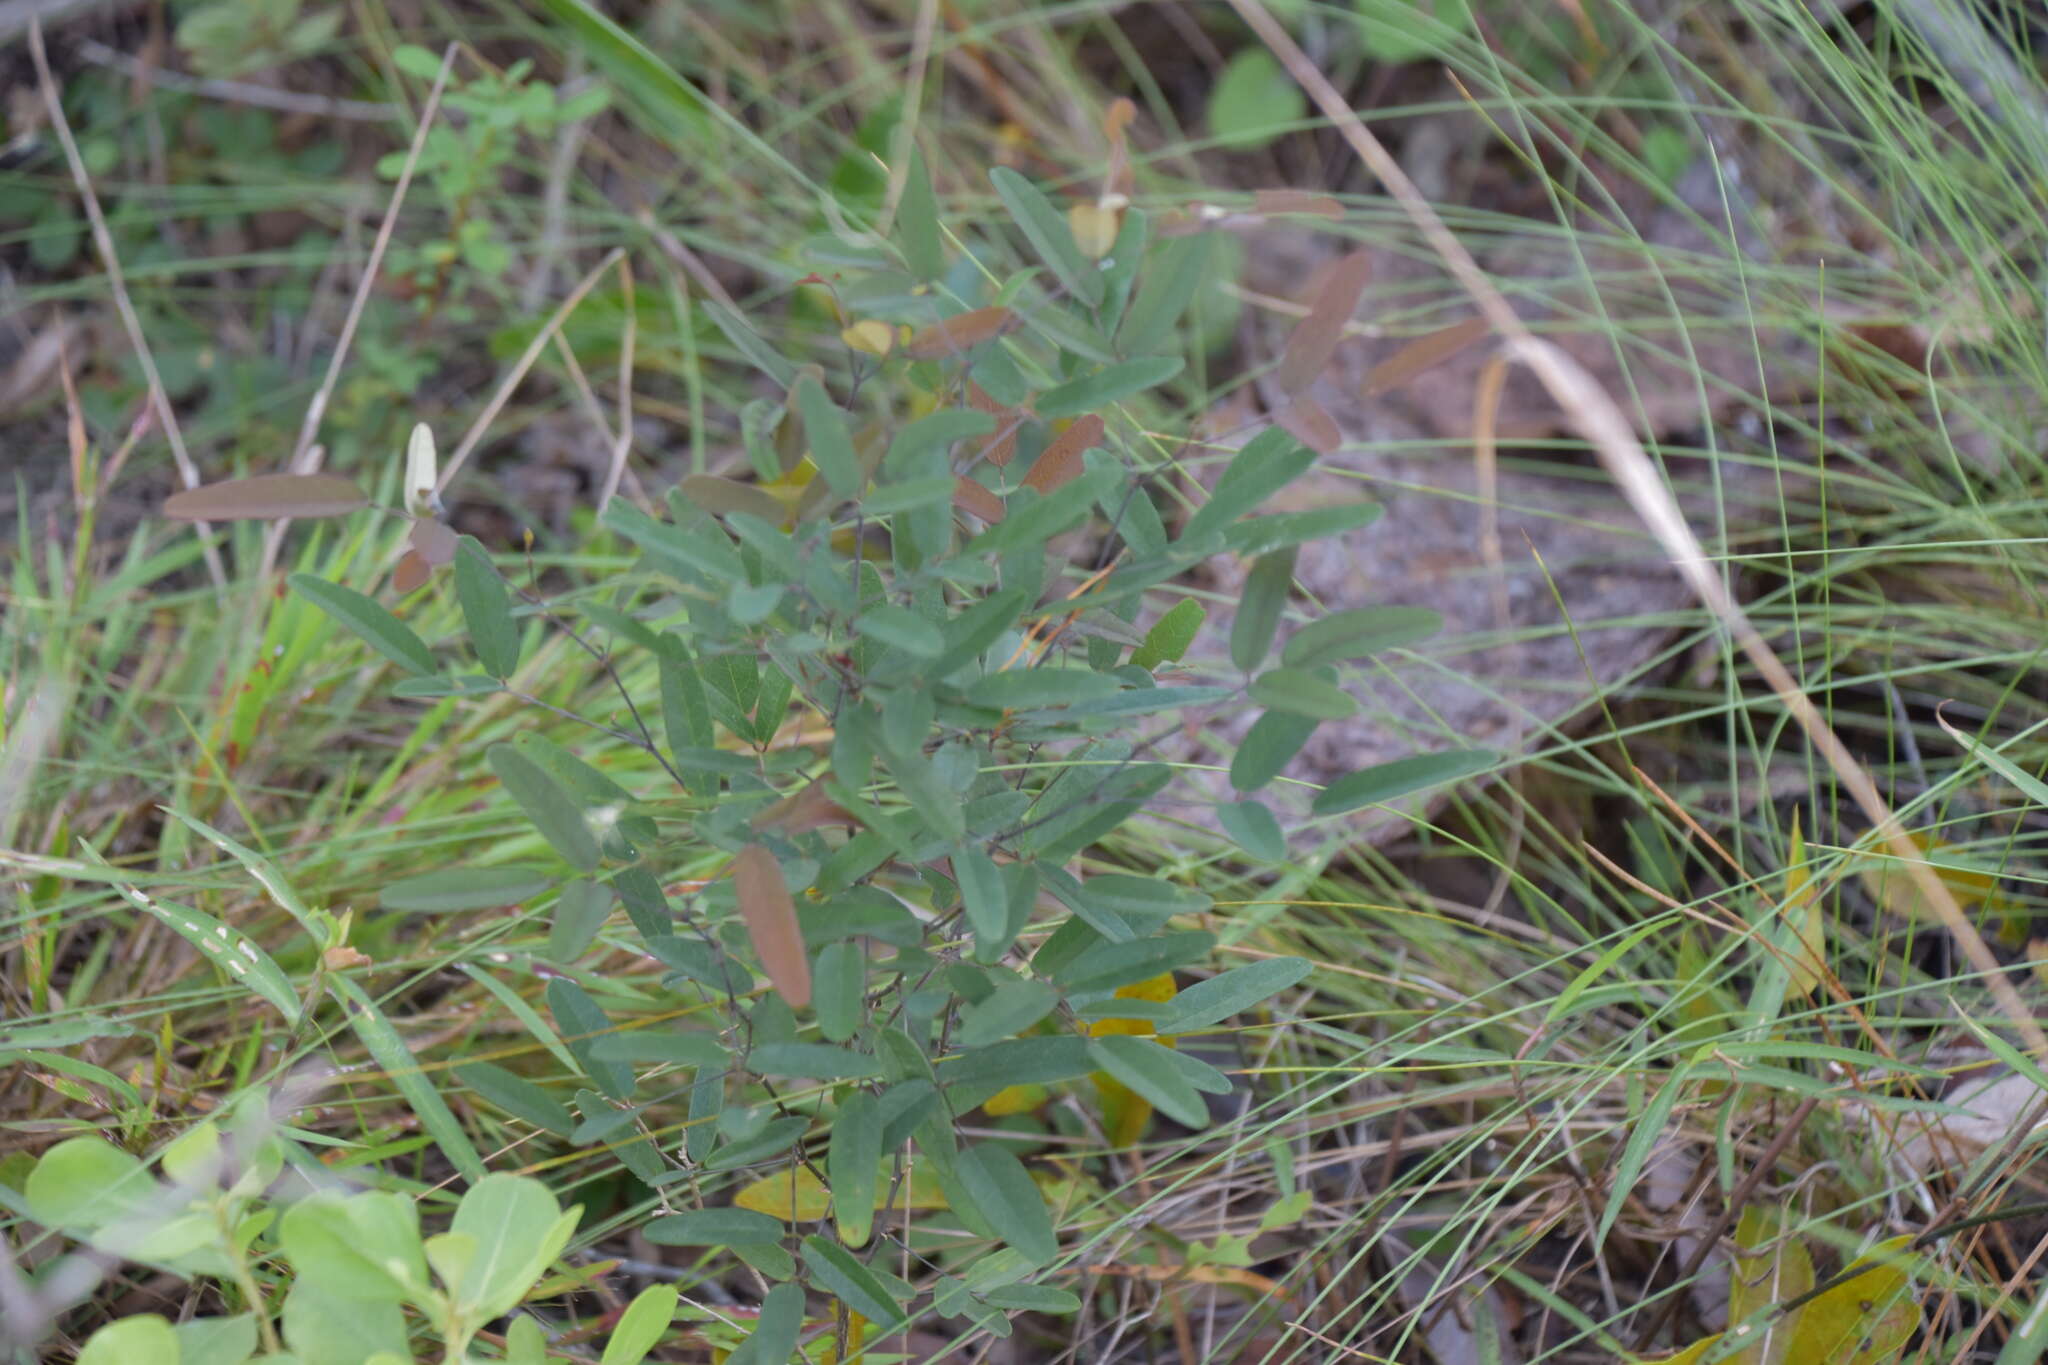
(266, 496)
(1148, 1070)
(1232, 992)
(1253, 828)
(1023, 689)
(1256, 535)
(642, 1326)
(773, 1339)
(359, 1247)
(917, 222)
(997, 1185)
(831, 444)
(553, 811)
(901, 628)
(1389, 781)
(580, 911)
(1033, 520)
(486, 610)
(851, 1162)
(1173, 273)
(1047, 230)
(1254, 100)
(840, 1273)
(516, 1223)
(370, 622)
(769, 913)
(1299, 692)
(1274, 739)
(1266, 589)
(712, 1228)
(1354, 634)
(517, 1096)
(391, 1053)
(464, 888)
(1171, 634)
(1111, 384)
(820, 1061)
(1107, 966)
(84, 1183)
(1010, 1009)
(581, 1023)
(1145, 901)
(144, 1339)
(659, 1047)
(323, 1329)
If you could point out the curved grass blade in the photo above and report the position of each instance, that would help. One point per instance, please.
(390, 1052)
(240, 958)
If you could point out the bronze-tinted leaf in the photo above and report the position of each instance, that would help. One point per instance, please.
(1117, 118)
(805, 810)
(1314, 339)
(1299, 202)
(412, 571)
(1307, 422)
(951, 336)
(1422, 354)
(977, 500)
(1003, 444)
(770, 916)
(1060, 461)
(267, 496)
(719, 496)
(433, 541)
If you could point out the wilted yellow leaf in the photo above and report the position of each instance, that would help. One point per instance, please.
(1769, 1268)
(870, 336)
(1892, 884)
(1017, 1099)
(1095, 228)
(795, 1196)
(1809, 922)
(1863, 1321)
(1125, 1114)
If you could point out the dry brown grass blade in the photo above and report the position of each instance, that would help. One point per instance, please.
(1301, 203)
(1601, 423)
(117, 284)
(1314, 339)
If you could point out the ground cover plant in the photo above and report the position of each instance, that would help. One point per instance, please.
(724, 754)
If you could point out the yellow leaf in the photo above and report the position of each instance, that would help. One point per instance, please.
(1769, 1268)
(1018, 1099)
(1864, 1321)
(1892, 885)
(1691, 1354)
(869, 336)
(1095, 228)
(794, 1196)
(1124, 1114)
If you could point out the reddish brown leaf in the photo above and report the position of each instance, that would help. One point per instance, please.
(1115, 120)
(1003, 444)
(412, 571)
(719, 496)
(1060, 461)
(433, 541)
(770, 917)
(1296, 202)
(1305, 420)
(1314, 339)
(805, 810)
(1423, 353)
(267, 496)
(951, 336)
(974, 498)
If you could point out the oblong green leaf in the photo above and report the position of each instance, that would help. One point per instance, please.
(837, 987)
(514, 1219)
(659, 1047)
(831, 443)
(580, 912)
(517, 1096)
(553, 811)
(1272, 742)
(463, 888)
(642, 1326)
(1253, 828)
(581, 1023)
(986, 899)
(391, 1053)
(1267, 463)
(1045, 227)
(839, 1273)
(1232, 992)
(1170, 635)
(1023, 689)
(851, 1163)
(1389, 781)
(1173, 273)
(781, 1322)
(901, 628)
(997, 1185)
(370, 623)
(1356, 633)
(1111, 384)
(1299, 692)
(486, 610)
(1019, 1061)
(819, 1061)
(712, 1228)
(1010, 1009)
(1264, 597)
(1148, 1070)
(917, 222)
